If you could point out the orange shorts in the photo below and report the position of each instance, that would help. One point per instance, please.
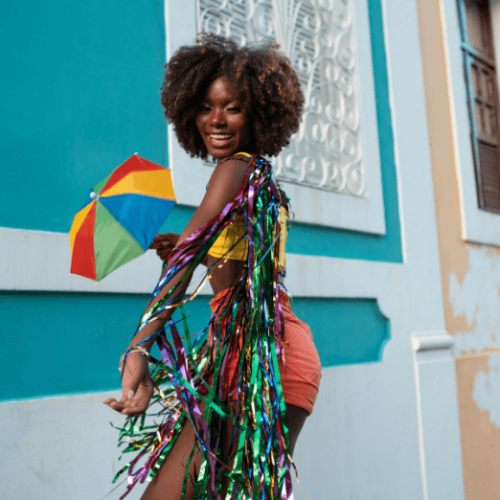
(300, 367)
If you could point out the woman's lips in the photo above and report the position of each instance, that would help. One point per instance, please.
(219, 139)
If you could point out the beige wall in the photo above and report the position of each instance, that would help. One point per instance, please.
(469, 275)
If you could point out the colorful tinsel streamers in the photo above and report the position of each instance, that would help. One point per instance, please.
(232, 363)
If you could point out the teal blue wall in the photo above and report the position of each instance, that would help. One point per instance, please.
(80, 94)
(83, 95)
(67, 343)
(346, 331)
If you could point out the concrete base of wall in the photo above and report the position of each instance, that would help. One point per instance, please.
(60, 448)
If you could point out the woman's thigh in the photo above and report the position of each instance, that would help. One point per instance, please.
(296, 417)
(168, 481)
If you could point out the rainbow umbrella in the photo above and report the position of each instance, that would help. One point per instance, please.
(120, 217)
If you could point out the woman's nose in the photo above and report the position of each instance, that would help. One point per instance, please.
(217, 117)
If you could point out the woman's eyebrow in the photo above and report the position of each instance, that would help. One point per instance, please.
(206, 102)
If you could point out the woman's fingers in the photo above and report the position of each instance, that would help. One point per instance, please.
(164, 244)
(133, 402)
(164, 251)
(130, 407)
(114, 404)
(136, 407)
(158, 245)
(157, 241)
(164, 240)
(163, 254)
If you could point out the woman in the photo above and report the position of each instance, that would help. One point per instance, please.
(241, 390)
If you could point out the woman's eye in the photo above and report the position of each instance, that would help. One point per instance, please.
(234, 109)
(203, 108)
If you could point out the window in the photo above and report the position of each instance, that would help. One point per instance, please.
(480, 75)
(318, 37)
(331, 170)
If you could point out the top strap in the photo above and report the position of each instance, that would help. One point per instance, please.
(247, 158)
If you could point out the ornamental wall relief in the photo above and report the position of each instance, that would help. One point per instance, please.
(317, 35)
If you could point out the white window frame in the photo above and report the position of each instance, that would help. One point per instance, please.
(310, 205)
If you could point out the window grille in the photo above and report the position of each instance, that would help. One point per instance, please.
(317, 36)
(481, 79)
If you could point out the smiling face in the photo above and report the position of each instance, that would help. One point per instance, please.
(222, 121)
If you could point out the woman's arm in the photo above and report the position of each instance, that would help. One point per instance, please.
(164, 245)
(137, 386)
(222, 189)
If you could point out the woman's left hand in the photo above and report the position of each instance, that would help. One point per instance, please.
(137, 386)
(164, 244)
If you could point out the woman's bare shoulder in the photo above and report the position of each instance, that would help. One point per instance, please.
(222, 189)
(228, 175)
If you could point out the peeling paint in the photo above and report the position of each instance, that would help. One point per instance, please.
(470, 273)
(477, 299)
(480, 436)
(486, 391)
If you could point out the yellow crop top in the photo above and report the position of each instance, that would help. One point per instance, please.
(234, 231)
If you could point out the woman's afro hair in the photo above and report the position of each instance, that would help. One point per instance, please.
(261, 76)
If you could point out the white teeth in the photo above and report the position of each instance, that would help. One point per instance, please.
(220, 136)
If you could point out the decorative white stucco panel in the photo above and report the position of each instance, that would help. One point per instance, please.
(331, 169)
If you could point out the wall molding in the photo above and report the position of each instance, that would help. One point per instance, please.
(40, 261)
(431, 341)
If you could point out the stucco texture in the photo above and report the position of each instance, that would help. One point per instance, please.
(470, 275)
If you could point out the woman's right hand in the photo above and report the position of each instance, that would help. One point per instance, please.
(137, 386)
(164, 244)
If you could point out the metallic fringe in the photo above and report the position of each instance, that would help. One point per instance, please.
(193, 376)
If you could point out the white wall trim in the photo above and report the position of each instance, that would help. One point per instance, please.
(478, 225)
(40, 261)
(431, 341)
(310, 205)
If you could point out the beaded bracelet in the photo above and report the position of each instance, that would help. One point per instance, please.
(141, 350)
